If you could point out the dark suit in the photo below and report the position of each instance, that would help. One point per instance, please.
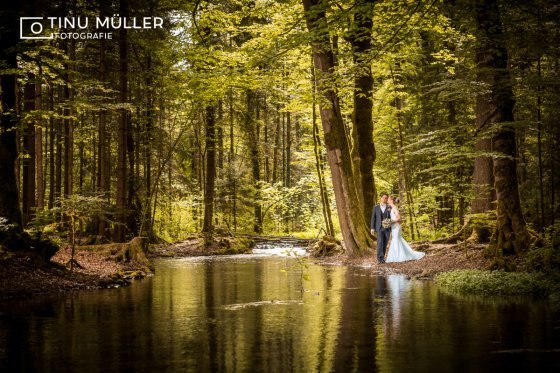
(383, 234)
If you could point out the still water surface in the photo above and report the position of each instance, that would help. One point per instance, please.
(249, 314)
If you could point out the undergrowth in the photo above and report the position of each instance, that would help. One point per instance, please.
(483, 282)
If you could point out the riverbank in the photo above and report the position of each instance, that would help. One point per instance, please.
(22, 278)
(439, 258)
(112, 265)
(102, 266)
(99, 266)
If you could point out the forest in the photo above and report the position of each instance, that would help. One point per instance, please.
(193, 185)
(282, 118)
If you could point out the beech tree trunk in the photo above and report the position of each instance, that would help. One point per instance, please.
(69, 123)
(58, 163)
(350, 212)
(362, 131)
(404, 185)
(288, 150)
(39, 175)
(68, 147)
(329, 228)
(210, 179)
(122, 136)
(252, 129)
(52, 140)
(220, 138)
(28, 163)
(277, 133)
(132, 206)
(266, 141)
(232, 162)
(483, 174)
(103, 177)
(496, 110)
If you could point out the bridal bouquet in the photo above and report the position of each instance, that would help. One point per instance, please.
(386, 223)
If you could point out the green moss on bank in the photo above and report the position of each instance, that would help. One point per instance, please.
(481, 282)
(231, 246)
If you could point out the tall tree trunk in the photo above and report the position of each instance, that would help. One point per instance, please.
(232, 163)
(265, 141)
(404, 185)
(539, 123)
(68, 122)
(552, 169)
(483, 174)
(102, 149)
(58, 173)
(350, 212)
(283, 148)
(9, 198)
(102, 171)
(146, 223)
(362, 130)
(39, 175)
(329, 228)
(287, 182)
(29, 150)
(81, 159)
(122, 135)
(252, 128)
(132, 206)
(209, 185)
(220, 138)
(52, 140)
(277, 134)
(510, 234)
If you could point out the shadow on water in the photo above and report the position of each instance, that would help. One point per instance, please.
(245, 314)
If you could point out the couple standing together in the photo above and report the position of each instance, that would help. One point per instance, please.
(385, 222)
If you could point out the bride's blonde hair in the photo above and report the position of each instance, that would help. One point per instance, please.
(395, 199)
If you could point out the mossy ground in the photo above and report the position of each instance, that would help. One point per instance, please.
(199, 245)
(485, 282)
(537, 273)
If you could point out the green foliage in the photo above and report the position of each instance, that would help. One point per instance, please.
(78, 209)
(213, 53)
(72, 211)
(495, 283)
(544, 260)
(297, 263)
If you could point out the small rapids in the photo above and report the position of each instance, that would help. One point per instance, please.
(279, 249)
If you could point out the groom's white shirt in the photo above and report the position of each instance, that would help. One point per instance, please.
(383, 207)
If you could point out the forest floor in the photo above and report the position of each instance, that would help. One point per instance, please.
(439, 258)
(20, 277)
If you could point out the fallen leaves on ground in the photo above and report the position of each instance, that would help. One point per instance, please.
(439, 258)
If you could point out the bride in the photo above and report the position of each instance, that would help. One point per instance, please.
(399, 250)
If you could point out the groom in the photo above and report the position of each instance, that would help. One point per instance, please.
(380, 212)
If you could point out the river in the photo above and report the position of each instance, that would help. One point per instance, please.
(254, 313)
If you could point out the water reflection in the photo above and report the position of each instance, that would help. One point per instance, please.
(245, 314)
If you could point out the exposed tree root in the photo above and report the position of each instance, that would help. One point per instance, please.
(327, 246)
(74, 263)
(477, 229)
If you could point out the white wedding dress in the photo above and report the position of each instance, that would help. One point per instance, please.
(399, 249)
